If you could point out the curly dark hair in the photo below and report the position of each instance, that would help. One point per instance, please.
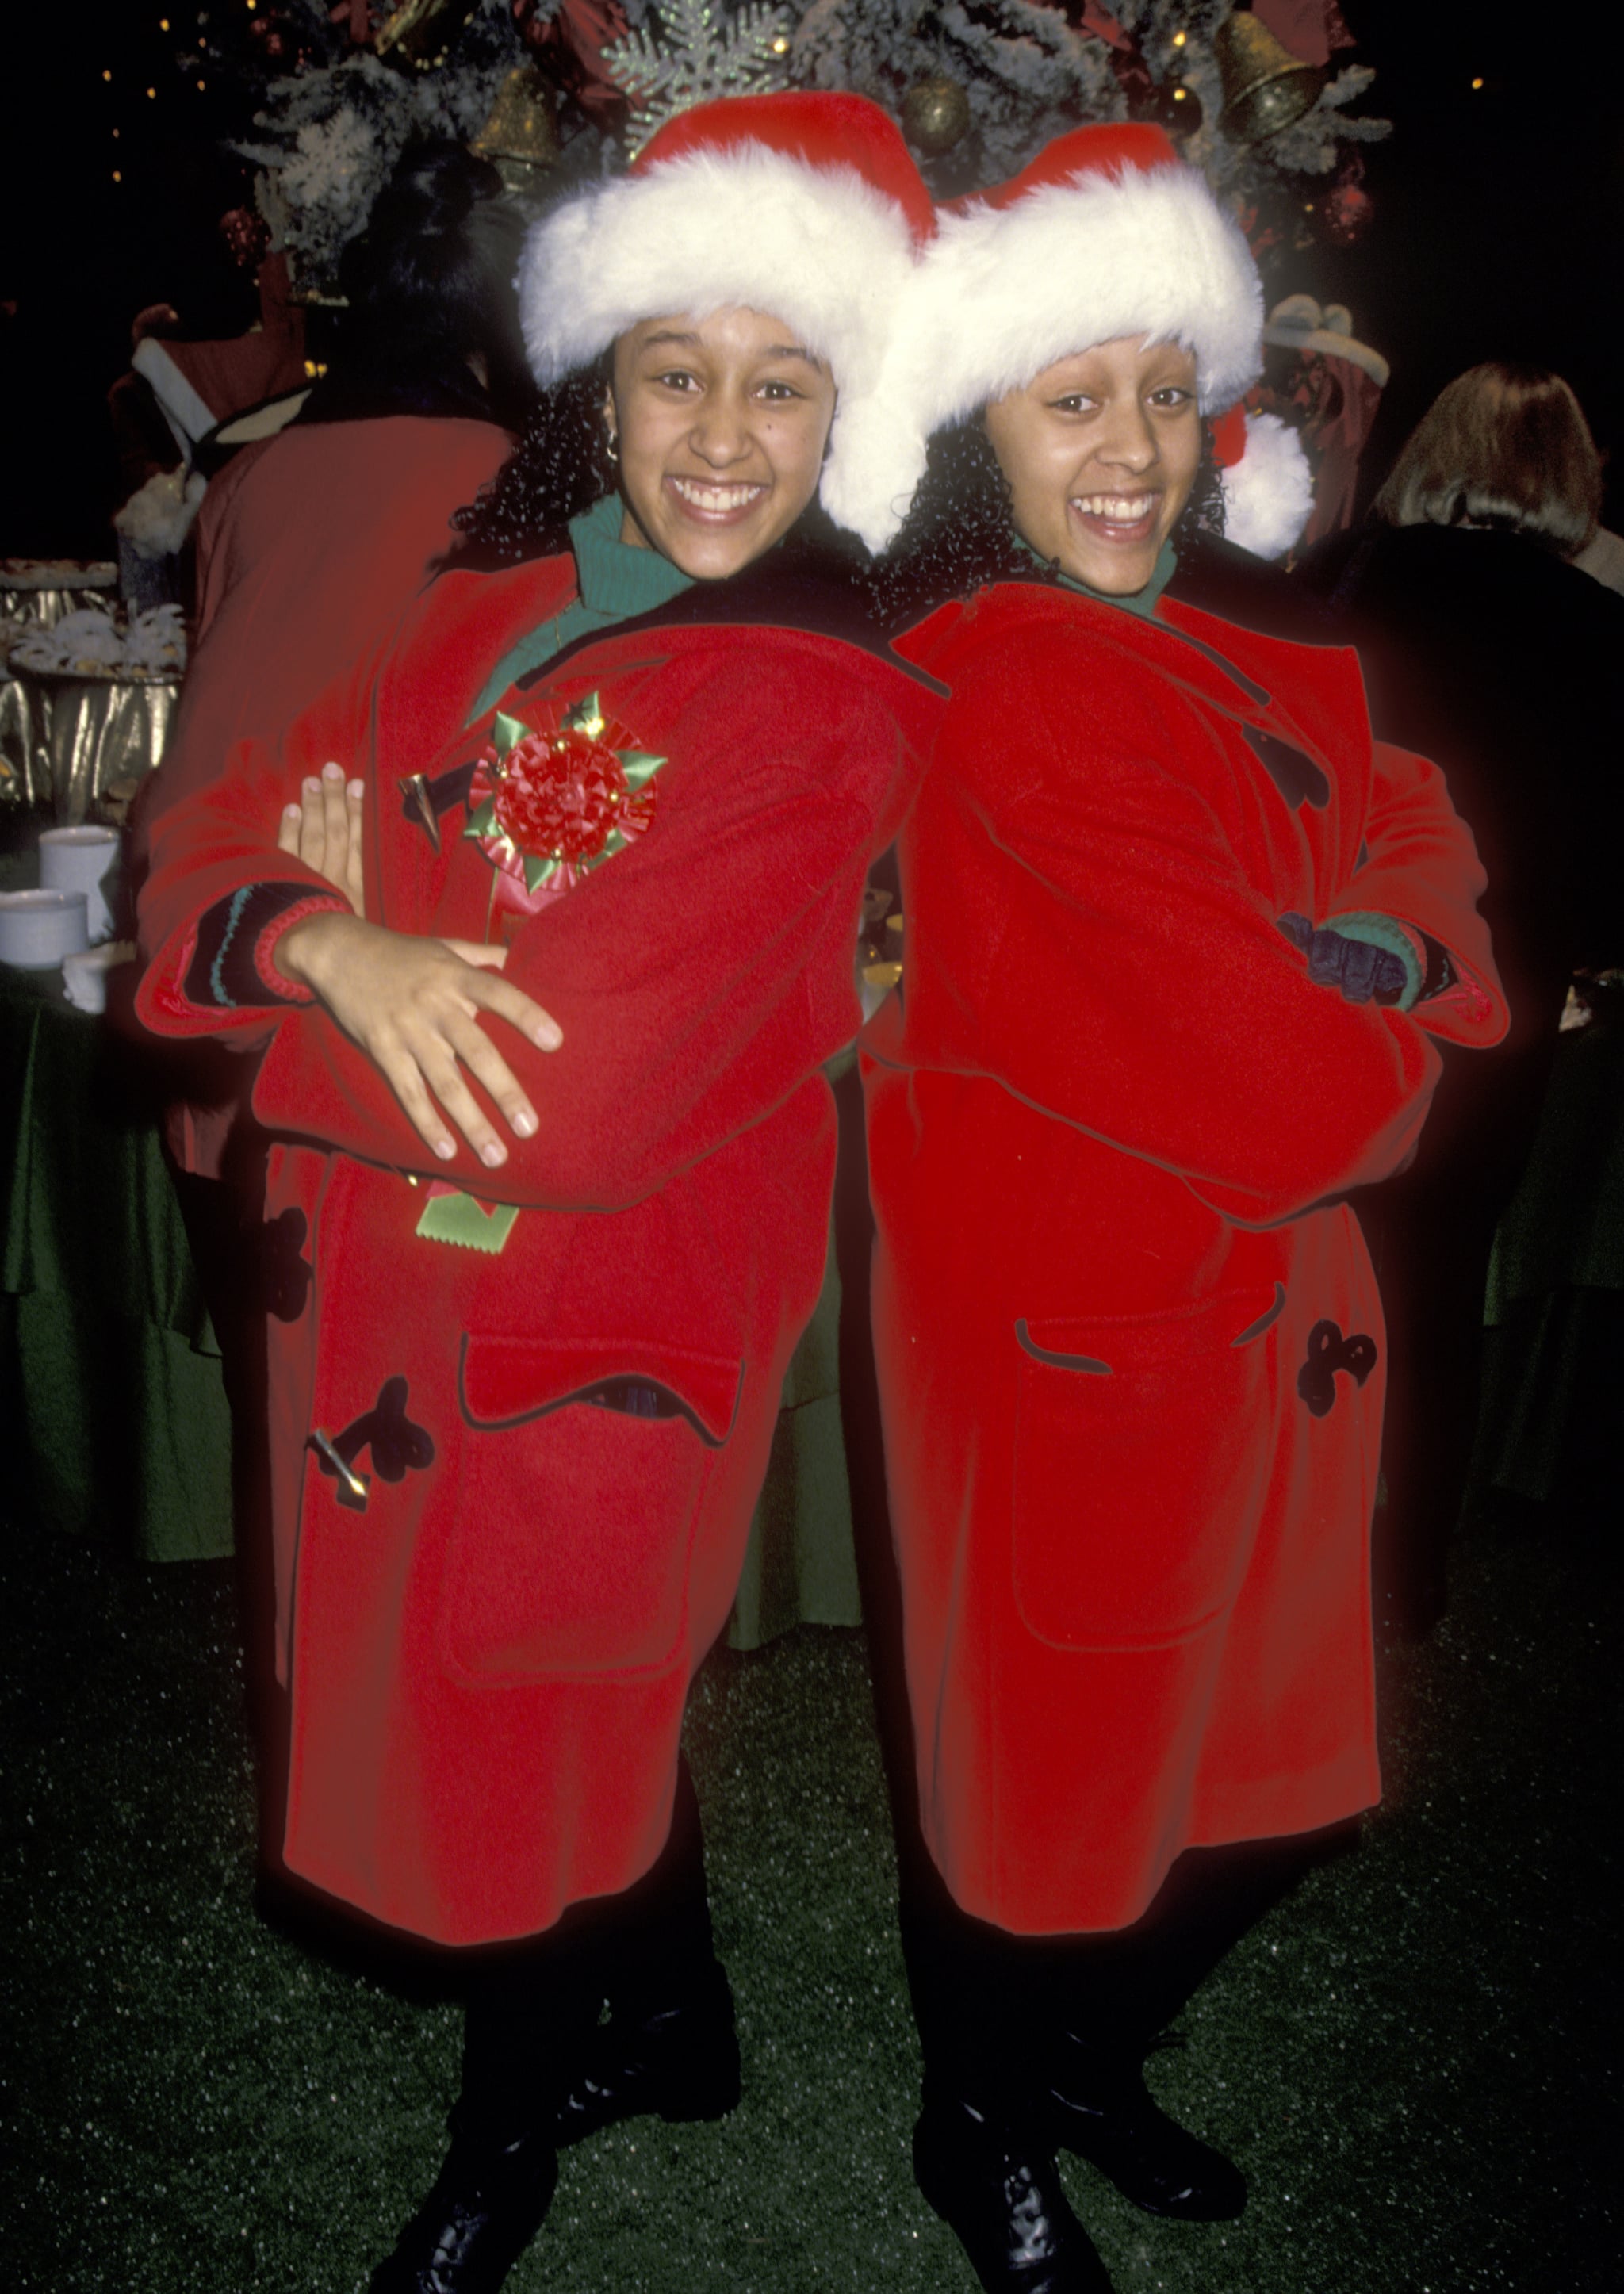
(959, 534)
(560, 467)
(562, 464)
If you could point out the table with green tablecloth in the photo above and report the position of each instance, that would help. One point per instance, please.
(110, 1371)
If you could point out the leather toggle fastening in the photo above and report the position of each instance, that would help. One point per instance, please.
(1298, 778)
(398, 1446)
(423, 800)
(1327, 1353)
(284, 1271)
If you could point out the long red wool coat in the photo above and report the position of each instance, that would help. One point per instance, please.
(1109, 1124)
(488, 1662)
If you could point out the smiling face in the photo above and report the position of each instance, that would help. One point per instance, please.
(721, 424)
(1101, 451)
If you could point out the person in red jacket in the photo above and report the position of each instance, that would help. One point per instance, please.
(310, 545)
(555, 1144)
(1180, 938)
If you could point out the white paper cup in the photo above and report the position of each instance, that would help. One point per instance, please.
(39, 929)
(76, 861)
(84, 976)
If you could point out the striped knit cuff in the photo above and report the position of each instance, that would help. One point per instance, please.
(233, 966)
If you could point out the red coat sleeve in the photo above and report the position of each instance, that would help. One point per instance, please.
(222, 837)
(1421, 865)
(221, 833)
(1093, 942)
(703, 975)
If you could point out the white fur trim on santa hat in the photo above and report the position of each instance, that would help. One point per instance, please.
(1269, 494)
(876, 460)
(819, 248)
(1004, 292)
(1008, 291)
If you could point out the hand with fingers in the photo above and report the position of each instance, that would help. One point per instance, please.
(414, 1005)
(324, 831)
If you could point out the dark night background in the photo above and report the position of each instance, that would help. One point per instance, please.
(1493, 208)
(1414, 2059)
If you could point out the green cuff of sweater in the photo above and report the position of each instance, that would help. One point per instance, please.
(1398, 939)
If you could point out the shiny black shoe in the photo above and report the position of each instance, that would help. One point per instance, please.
(487, 2203)
(681, 2061)
(1104, 2112)
(1002, 2198)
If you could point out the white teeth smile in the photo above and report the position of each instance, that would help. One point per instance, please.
(1115, 510)
(716, 499)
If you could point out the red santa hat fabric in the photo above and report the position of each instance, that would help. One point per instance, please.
(1107, 233)
(806, 204)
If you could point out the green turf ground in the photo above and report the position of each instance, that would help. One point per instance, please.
(1408, 2058)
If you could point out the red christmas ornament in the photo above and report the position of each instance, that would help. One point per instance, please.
(246, 236)
(1347, 213)
(569, 46)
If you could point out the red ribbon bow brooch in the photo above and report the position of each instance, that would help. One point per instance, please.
(550, 803)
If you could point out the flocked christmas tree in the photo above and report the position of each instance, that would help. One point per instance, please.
(988, 82)
(1254, 96)
(701, 51)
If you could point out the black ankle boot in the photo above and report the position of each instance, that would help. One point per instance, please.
(681, 2059)
(1102, 2109)
(488, 2202)
(999, 2193)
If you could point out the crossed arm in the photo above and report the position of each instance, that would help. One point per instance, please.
(411, 1002)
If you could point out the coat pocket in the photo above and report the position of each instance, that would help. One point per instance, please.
(1142, 1453)
(583, 1469)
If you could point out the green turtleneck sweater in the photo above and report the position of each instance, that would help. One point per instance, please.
(1139, 601)
(617, 581)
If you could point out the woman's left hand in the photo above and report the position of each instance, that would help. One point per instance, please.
(324, 831)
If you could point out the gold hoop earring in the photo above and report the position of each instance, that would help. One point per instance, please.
(612, 444)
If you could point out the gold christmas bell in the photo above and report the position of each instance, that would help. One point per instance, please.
(1265, 87)
(520, 134)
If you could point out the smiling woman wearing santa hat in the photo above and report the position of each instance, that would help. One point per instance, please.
(1179, 936)
(540, 1285)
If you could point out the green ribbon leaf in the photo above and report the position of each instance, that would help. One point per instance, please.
(586, 714)
(462, 1219)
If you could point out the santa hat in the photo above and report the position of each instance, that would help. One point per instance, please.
(806, 204)
(1107, 233)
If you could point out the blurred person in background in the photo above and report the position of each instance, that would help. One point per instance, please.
(310, 545)
(310, 542)
(1485, 648)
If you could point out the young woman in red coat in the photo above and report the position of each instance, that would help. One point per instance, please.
(1180, 935)
(567, 1208)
